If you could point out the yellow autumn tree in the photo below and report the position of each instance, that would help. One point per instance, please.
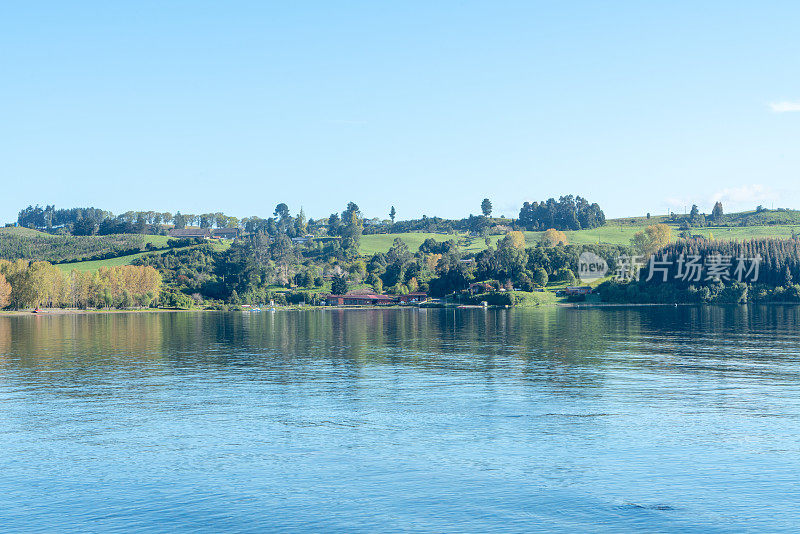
(40, 283)
(653, 238)
(431, 261)
(515, 239)
(553, 237)
(37, 283)
(5, 292)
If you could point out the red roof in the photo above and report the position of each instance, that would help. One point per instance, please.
(363, 297)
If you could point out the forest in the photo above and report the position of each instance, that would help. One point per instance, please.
(757, 270)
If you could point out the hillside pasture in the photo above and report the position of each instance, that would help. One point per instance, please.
(93, 265)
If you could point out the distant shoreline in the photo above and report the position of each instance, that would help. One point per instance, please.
(76, 311)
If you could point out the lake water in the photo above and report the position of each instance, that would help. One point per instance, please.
(615, 419)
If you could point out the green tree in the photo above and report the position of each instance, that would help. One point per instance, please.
(234, 298)
(565, 275)
(179, 221)
(339, 284)
(207, 220)
(398, 253)
(540, 277)
(486, 207)
(641, 243)
(392, 214)
(300, 223)
(717, 213)
(334, 224)
(282, 211)
(694, 215)
(353, 227)
(378, 285)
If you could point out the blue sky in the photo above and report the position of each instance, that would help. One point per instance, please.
(429, 106)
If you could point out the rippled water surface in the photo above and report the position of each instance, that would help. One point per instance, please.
(557, 419)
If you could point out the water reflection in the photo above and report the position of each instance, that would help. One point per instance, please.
(562, 419)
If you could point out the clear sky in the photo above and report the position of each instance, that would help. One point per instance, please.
(429, 106)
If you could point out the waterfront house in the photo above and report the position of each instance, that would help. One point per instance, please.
(360, 300)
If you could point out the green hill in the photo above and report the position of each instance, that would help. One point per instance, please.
(16, 242)
(93, 265)
(735, 226)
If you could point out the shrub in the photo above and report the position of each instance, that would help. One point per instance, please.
(564, 275)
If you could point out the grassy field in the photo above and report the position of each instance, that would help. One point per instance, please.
(616, 232)
(156, 240)
(16, 230)
(93, 265)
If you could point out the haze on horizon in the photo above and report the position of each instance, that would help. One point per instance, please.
(235, 107)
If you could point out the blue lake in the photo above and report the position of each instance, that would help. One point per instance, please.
(607, 419)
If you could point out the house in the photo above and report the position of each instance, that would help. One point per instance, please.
(360, 300)
(182, 233)
(302, 240)
(225, 233)
(480, 287)
(578, 290)
(416, 296)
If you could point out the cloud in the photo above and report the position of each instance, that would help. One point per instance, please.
(784, 107)
(739, 198)
(746, 194)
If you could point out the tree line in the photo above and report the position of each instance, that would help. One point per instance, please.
(702, 271)
(31, 284)
(567, 213)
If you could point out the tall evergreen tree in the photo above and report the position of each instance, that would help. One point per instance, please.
(486, 207)
(716, 213)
